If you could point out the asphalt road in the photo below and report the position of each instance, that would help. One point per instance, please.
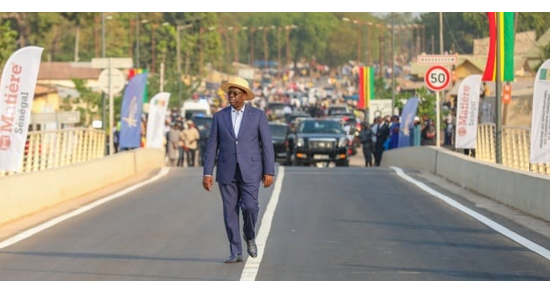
(333, 224)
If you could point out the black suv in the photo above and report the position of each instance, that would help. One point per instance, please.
(320, 142)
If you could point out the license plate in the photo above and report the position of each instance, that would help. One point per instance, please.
(320, 156)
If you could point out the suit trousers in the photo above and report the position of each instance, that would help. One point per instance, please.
(235, 195)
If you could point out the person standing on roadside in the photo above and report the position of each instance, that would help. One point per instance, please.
(240, 144)
(191, 137)
(382, 134)
(365, 135)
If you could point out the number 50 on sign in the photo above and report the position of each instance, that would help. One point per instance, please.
(437, 78)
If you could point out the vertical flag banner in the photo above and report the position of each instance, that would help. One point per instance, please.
(540, 118)
(505, 38)
(135, 71)
(366, 86)
(467, 105)
(18, 84)
(158, 108)
(130, 115)
(407, 121)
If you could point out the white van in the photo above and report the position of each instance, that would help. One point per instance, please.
(191, 107)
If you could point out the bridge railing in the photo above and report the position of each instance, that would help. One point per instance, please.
(516, 144)
(57, 148)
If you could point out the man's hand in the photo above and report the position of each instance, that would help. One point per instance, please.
(207, 182)
(267, 180)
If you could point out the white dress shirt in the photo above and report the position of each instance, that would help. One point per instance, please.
(237, 118)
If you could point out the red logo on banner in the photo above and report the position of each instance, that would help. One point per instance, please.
(5, 142)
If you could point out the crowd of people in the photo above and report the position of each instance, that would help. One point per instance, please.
(383, 134)
(183, 141)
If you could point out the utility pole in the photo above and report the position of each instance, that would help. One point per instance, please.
(498, 101)
(103, 117)
(137, 40)
(392, 68)
(178, 58)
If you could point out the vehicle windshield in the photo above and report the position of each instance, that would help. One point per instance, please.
(201, 121)
(278, 130)
(320, 127)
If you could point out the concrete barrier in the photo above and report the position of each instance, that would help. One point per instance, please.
(27, 193)
(522, 190)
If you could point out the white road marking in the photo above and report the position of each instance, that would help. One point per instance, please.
(252, 265)
(484, 220)
(30, 232)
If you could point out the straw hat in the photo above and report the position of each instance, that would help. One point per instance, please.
(239, 83)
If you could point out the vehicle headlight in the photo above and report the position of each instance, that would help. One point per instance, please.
(300, 142)
(343, 142)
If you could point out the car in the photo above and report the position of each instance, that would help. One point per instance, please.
(337, 109)
(193, 107)
(351, 126)
(275, 111)
(279, 137)
(320, 142)
(292, 117)
(201, 120)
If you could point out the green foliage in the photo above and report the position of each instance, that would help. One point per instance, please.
(217, 38)
(426, 103)
(7, 42)
(88, 103)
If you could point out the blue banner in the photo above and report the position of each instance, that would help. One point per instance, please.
(130, 115)
(407, 122)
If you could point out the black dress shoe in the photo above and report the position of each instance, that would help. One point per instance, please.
(252, 248)
(234, 259)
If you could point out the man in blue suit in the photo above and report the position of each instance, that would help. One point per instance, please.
(241, 147)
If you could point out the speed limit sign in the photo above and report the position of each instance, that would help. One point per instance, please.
(437, 78)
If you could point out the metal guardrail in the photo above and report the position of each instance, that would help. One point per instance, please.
(52, 149)
(516, 144)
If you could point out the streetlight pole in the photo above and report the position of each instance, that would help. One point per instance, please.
(103, 117)
(279, 50)
(288, 29)
(392, 68)
(235, 46)
(137, 40)
(369, 46)
(252, 29)
(265, 48)
(381, 53)
(178, 56)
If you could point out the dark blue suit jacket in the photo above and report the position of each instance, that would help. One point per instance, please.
(252, 149)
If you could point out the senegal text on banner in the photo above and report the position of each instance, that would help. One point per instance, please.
(540, 118)
(467, 105)
(18, 84)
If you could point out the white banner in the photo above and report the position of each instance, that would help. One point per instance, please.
(540, 118)
(155, 121)
(17, 88)
(467, 111)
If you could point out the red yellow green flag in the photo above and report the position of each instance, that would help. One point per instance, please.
(505, 37)
(366, 86)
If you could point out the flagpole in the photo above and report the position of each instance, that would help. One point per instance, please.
(498, 129)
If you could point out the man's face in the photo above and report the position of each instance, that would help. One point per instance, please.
(236, 97)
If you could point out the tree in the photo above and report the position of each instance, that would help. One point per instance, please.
(87, 103)
(7, 42)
